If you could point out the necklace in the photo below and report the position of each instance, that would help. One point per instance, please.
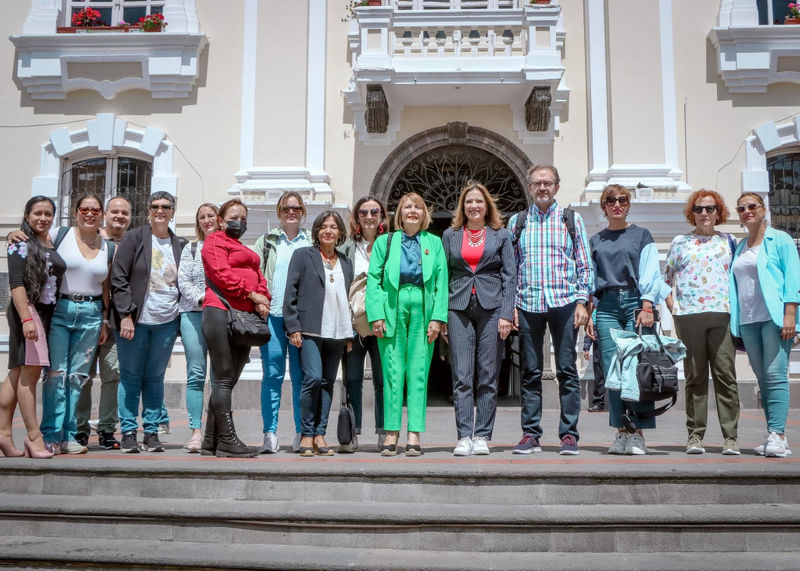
(329, 263)
(90, 244)
(476, 237)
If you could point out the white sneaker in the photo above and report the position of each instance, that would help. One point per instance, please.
(695, 446)
(72, 447)
(464, 447)
(618, 446)
(760, 450)
(777, 447)
(296, 443)
(635, 445)
(270, 445)
(480, 447)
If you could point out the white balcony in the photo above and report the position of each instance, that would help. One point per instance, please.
(457, 52)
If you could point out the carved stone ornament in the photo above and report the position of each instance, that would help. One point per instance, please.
(537, 109)
(377, 114)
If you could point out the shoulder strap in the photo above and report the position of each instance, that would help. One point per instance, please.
(111, 246)
(386, 256)
(732, 244)
(62, 233)
(193, 247)
(569, 220)
(221, 297)
(266, 247)
(522, 218)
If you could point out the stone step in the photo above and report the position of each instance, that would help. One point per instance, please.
(441, 527)
(493, 482)
(34, 553)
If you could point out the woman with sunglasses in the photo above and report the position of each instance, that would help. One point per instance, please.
(699, 266)
(765, 291)
(35, 271)
(78, 325)
(367, 222)
(627, 282)
(275, 249)
(144, 289)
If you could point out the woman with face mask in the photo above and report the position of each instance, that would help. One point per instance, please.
(233, 270)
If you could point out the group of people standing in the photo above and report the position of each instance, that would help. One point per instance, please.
(121, 297)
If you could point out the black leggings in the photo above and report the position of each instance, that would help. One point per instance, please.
(227, 360)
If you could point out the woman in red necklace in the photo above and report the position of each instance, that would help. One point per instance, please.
(482, 272)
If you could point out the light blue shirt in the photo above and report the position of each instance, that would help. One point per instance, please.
(411, 260)
(283, 254)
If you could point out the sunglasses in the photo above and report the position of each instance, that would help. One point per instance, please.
(287, 209)
(623, 201)
(87, 209)
(750, 206)
(371, 211)
(709, 209)
(158, 207)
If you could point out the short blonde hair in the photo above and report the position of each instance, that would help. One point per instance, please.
(416, 199)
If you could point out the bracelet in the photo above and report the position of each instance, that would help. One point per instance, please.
(26, 320)
(647, 310)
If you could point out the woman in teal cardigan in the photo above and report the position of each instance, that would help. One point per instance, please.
(765, 290)
(406, 304)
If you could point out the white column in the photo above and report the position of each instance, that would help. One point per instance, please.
(315, 112)
(668, 85)
(249, 49)
(595, 18)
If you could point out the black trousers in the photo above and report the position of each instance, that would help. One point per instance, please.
(227, 360)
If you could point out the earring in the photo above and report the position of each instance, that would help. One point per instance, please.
(358, 228)
(380, 228)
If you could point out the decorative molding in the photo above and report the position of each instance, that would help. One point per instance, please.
(105, 135)
(51, 65)
(658, 177)
(766, 138)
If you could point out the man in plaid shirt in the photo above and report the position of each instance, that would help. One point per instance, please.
(554, 280)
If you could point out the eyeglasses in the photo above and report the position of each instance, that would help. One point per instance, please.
(623, 200)
(160, 207)
(288, 209)
(750, 206)
(544, 183)
(709, 209)
(87, 209)
(371, 211)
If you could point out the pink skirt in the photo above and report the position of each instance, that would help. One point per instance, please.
(36, 353)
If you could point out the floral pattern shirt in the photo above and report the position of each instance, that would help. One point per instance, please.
(55, 266)
(699, 268)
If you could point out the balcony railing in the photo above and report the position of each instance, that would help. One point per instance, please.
(455, 4)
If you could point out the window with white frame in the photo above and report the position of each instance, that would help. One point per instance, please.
(107, 177)
(784, 192)
(112, 12)
(772, 12)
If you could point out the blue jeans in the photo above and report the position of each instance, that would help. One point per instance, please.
(273, 365)
(769, 357)
(72, 342)
(531, 335)
(196, 351)
(319, 359)
(142, 363)
(615, 311)
(354, 371)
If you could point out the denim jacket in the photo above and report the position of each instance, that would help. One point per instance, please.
(779, 274)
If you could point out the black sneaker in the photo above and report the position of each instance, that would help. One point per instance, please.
(151, 442)
(107, 441)
(129, 444)
(82, 439)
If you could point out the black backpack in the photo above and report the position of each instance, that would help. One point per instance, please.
(568, 217)
(62, 233)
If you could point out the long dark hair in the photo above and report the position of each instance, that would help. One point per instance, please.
(36, 261)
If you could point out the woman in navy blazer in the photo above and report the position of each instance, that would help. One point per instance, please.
(480, 261)
(316, 314)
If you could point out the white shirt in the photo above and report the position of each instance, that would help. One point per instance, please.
(752, 307)
(83, 276)
(361, 258)
(336, 321)
(161, 299)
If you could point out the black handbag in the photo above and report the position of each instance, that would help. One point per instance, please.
(657, 376)
(245, 328)
(346, 425)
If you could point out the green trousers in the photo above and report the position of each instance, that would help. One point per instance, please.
(405, 359)
(106, 357)
(709, 344)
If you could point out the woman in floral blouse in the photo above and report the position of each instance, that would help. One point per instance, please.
(698, 266)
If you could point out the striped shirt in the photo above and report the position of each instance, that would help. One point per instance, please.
(283, 252)
(551, 271)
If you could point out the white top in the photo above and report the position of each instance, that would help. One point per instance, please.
(191, 279)
(336, 322)
(752, 307)
(161, 300)
(83, 276)
(361, 258)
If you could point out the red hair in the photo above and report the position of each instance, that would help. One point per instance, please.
(722, 210)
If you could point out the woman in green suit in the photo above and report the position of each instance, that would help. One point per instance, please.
(407, 302)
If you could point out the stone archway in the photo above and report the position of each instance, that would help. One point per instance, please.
(437, 162)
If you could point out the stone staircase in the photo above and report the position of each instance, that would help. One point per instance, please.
(289, 513)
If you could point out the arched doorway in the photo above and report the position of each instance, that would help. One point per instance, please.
(435, 164)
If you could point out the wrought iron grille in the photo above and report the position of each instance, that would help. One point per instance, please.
(131, 179)
(784, 193)
(438, 175)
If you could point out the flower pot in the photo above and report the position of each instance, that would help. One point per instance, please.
(90, 29)
(374, 3)
(792, 21)
(152, 29)
(541, 1)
